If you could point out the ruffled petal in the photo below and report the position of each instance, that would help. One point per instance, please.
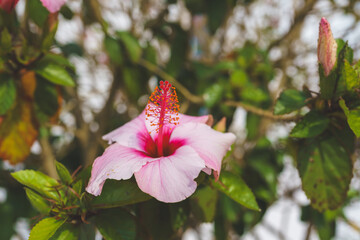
(131, 134)
(53, 5)
(118, 162)
(211, 145)
(207, 170)
(207, 119)
(171, 179)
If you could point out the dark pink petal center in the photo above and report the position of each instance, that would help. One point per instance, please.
(150, 146)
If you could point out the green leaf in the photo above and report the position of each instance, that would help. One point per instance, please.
(116, 224)
(351, 78)
(46, 96)
(119, 193)
(343, 46)
(38, 202)
(225, 66)
(67, 12)
(67, 231)
(254, 94)
(130, 78)
(44, 229)
(216, 11)
(54, 73)
(7, 93)
(57, 60)
(156, 220)
(289, 101)
(150, 54)
(39, 182)
(5, 42)
(252, 125)
(313, 124)
(131, 45)
(213, 94)
(179, 46)
(353, 117)
(203, 204)
(239, 78)
(63, 173)
(178, 215)
(325, 227)
(234, 187)
(114, 50)
(7, 220)
(48, 37)
(72, 49)
(326, 170)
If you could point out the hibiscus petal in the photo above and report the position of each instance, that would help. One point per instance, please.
(211, 145)
(53, 5)
(207, 170)
(171, 179)
(127, 135)
(118, 162)
(207, 119)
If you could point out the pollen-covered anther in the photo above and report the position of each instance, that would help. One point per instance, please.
(163, 106)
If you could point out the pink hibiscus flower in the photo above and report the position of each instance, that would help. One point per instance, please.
(165, 150)
(8, 5)
(53, 5)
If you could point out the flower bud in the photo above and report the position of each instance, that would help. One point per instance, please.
(327, 47)
(53, 5)
(8, 5)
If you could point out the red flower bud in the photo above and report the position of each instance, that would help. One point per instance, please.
(8, 5)
(327, 47)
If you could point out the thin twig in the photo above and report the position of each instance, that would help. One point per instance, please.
(308, 231)
(158, 71)
(352, 224)
(48, 158)
(262, 112)
(273, 230)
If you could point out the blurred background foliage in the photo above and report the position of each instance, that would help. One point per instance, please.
(68, 78)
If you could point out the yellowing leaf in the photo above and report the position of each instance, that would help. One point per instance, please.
(28, 83)
(17, 132)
